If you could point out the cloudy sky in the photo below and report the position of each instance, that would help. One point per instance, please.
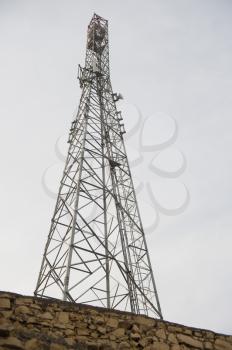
(171, 60)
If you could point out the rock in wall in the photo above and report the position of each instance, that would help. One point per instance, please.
(32, 323)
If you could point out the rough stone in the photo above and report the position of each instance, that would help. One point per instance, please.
(47, 316)
(208, 345)
(196, 333)
(151, 332)
(112, 337)
(161, 325)
(175, 329)
(172, 339)
(175, 347)
(91, 347)
(22, 309)
(146, 341)
(69, 332)
(6, 295)
(106, 347)
(124, 346)
(5, 330)
(23, 301)
(82, 331)
(119, 332)
(94, 334)
(70, 341)
(4, 303)
(161, 334)
(99, 320)
(112, 322)
(135, 336)
(33, 344)
(59, 325)
(63, 317)
(185, 339)
(187, 331)
(221, 344)
(6, 313)
(209, 335)
(92, 326)
(12, 343)
(145, 321)
(101, 329)
(135, 329)
(55, 346)
(157, 346)
(127, 324)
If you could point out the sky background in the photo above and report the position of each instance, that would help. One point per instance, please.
(171, 60)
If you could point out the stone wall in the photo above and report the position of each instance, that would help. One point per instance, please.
(32, 323)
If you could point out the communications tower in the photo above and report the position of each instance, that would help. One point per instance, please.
(96, 251)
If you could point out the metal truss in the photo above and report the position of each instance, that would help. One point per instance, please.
(96, 252)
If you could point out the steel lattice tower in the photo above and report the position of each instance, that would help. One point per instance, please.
(96, 252)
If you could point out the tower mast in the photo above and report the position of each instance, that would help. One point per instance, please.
(96, 251)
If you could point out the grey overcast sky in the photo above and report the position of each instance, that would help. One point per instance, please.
(170, 58)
